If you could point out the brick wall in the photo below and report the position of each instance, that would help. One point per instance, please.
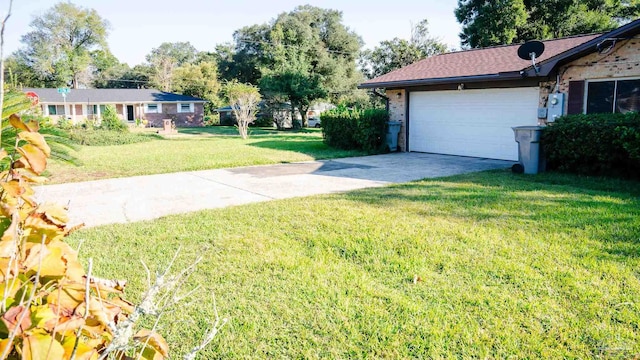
(622, 61)
(170, 111)
(397, 110)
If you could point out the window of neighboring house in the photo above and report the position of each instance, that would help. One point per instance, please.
(185, 107)
(152, 108)
(613, 96)
(56, 109)
(94, 109)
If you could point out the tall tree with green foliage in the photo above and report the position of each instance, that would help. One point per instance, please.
(393, 54)
(105, 68)
(58, 49)
(199, 80)
(488, 23)
(308, 46)
(132, 78)
(560, 18)
(307, 54)
(246, 56)
(164, 59)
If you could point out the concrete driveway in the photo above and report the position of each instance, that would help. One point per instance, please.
(148, 197)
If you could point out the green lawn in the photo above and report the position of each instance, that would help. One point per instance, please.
(510, 266)
(195, 149)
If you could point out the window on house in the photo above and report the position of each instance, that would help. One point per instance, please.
(152, 108)
(94, 109)
(613, 96)
(56, 109)
(185, 107)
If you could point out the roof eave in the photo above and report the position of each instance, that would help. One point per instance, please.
(514, 75)
(545, 68)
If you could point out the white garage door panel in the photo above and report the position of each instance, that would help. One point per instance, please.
(471, 122)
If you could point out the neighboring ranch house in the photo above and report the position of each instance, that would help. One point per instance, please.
(466, 103)
(131, 104)
(283, 111)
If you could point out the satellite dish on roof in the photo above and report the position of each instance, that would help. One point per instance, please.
(531, 50)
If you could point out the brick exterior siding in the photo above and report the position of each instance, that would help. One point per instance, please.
(170, 111)
(397, 110)
(622, 61)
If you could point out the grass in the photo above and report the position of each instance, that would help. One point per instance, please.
(509, 266)
(195, 149)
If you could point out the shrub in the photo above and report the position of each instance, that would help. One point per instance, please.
(263, 121)
(110, 120)
(372, 130)
(355, 129)
(594, 144)
(101, 137)
(212, 120)
(64, 124)
(227, 120)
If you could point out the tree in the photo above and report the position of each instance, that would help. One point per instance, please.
(486, 23)
(509, 21)
(329, 48)
(299, 87)
(199, 80)
(181, 52)
(132, 78)
(20, 74)
(308, 45)
(105, 69)
(244, 100)
(560, 18)
(165, 59)
(244, 59)
(302, 55)
(393, 54)
(59, 46)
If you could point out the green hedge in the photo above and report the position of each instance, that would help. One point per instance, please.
(595, 144)
(101, 137)
(355, 129)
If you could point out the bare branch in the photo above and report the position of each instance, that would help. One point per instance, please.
(209, 335)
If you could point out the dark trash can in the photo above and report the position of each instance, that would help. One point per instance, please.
(529, 150)
(393, 129)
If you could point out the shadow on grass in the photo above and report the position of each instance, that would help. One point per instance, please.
(560, 203)
(314, 147)
(232, 130)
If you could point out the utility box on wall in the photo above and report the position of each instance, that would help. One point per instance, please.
(555, 106)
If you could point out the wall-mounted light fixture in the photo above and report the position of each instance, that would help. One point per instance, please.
(399, 95)
(461, 86)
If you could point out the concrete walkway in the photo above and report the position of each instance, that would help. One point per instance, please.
(148, 197)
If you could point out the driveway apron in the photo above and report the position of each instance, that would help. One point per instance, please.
(152, 196)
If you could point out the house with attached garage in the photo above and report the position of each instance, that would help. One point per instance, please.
(466, 103)
(152, 105)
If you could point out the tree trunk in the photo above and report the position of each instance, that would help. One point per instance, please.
(294, 118)
(303, 114)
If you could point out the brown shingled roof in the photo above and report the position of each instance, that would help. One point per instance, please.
(476, 62)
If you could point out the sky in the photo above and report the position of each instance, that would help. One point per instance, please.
(138, 26)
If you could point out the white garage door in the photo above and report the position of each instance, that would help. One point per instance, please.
(471, 122)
